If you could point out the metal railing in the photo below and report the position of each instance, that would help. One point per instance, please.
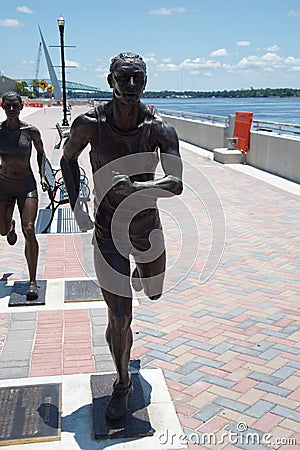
(195, 116)
(257, 125)
(276, 127)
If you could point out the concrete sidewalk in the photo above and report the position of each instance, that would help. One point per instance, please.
(224, 339)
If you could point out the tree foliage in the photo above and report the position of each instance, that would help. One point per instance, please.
(239, 93)
(22, 89)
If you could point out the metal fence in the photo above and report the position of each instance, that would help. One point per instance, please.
(257, 125)
(276, 127)
(195, 116)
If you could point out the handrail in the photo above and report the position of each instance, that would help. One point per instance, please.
(276, 127)
(195, 116)
(257, 125)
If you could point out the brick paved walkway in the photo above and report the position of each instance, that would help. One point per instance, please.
(229, 348)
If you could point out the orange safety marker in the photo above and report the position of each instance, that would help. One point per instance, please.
(241, 132)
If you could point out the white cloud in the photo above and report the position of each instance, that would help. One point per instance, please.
(24, 9)
(292, 61)
(266, 60)
(199, 63)
(219, 52)
(166, 11)
(243, 43)
(150, 59)
(181, 9)
(273, 48)
(194, 72)
(189, 64)
(102, 70)
(25, 62)
(293, 13)
(72, 63)
(168, 67)
(13, 23)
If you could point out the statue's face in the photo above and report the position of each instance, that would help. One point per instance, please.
(128, 81)
(12, 107)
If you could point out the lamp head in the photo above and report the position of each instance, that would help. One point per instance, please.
(61, 23)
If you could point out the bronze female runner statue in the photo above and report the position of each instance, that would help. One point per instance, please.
(127, 140)
(17, 182)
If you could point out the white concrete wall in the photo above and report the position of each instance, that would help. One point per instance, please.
(277, 154)
(203, 134)
(273, 153)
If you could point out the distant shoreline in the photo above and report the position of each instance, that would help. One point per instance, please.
(239, 93)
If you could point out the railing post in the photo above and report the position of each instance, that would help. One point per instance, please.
(229, 128)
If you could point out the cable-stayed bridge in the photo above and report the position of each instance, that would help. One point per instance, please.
(78, 89)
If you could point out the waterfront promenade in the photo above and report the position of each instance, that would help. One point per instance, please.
(221, 349)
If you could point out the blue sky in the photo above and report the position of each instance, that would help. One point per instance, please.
(187, 44)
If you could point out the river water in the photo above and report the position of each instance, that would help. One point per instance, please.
(283, 110)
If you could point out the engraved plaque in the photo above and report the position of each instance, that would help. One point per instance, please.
(82, 290)
(18, 294)
(30, 414)
(136, 423)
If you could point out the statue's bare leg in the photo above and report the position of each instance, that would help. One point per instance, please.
(118, 333)
(7, 223)
(150, 277)
(28, 211)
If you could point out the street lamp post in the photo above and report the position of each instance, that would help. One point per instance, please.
(61, 26)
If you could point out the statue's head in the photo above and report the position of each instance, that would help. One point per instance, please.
(12, 101)
(127, 77)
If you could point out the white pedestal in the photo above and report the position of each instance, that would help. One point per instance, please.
(226, 156)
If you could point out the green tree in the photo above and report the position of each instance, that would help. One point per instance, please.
(22, 89)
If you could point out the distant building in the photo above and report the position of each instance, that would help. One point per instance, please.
(7, 84)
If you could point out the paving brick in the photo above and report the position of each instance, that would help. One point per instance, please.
(177, 342)
(245, 350)
(270, 354)
(206, 413)
(233, 365)
(188, 368)
(197, 344)
(274, 389)
(295, 364)
(19, 325)
(285, 372)
(216, 380)
(157, 347)
(214, 425)
(292, 382)
(265, 378)
(174, 376)
(14, 372)
(267, 422)
(207, 362)
(180, 350)
(161, 355)
(238, 375)
(222, 348)
(196, 388)
(288, 349)
(237, 417)
(191, 378)
(288, 424)
(231, 404)
(201, 400)
(260, 408)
